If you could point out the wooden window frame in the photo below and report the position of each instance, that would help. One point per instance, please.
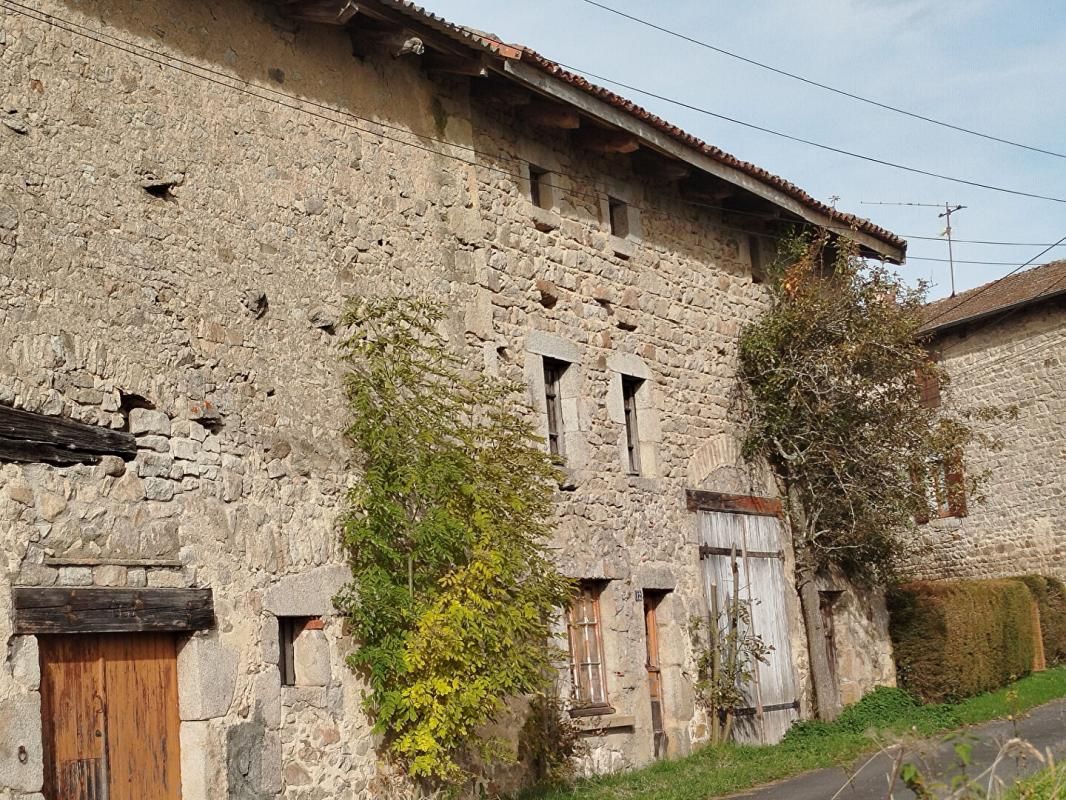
(554, 369)
(582, 672)
(630, 388)
(944, 484)
(653, 666)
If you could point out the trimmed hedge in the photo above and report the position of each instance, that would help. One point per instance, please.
(1050, 596)
(954, 639)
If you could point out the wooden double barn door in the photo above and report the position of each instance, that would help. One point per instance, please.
(109, 705)
(754, 541)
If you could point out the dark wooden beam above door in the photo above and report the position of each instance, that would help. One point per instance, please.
(55, 610)
(696, 500)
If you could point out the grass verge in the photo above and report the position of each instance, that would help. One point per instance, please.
(1048, 784)
(883, 714)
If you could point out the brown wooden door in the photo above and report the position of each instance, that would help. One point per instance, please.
(110, 710)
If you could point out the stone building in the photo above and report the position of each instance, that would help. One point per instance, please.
(1002, 346)
(189, 191)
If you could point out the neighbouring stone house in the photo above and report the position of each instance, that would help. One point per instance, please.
(1002, 346)
(189, 191)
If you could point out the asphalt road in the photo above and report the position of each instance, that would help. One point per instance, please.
(1043, 727)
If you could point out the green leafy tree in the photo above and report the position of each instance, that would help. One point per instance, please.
(453, 595)
(832, 376)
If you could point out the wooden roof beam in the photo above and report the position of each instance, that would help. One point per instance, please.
(658, 168)
(601, 140)
(454, 65)
(551, 115)
(324, 12)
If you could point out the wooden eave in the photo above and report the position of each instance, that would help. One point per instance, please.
(603, 126)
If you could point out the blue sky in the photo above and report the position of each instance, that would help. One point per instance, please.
(998, 66)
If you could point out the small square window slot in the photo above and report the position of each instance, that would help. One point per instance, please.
(540, 187)
(289, 630)
(618, 217)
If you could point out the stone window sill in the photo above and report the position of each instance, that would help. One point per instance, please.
(623, 248)
(604, 722)
(642, 482)
(544, 220)
(570, 480)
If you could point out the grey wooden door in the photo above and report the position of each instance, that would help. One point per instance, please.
(771, 699)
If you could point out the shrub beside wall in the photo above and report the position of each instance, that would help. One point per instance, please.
(954, 639)
(1050, 596)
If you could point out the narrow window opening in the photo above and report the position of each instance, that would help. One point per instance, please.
(630, 387)
(652, 599)
(553, 378)
(540, 187)
(618, 217)
(758, 269)
(587, 670)
(289, 630)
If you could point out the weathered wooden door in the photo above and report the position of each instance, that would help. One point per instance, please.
(760, 584)
(109, 705)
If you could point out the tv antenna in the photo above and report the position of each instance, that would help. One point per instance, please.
(949, 209)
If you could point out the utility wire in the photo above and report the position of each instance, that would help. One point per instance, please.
(136, 50)
(1047, 291)
(132, 49)
(810, 143)
(824, 86)
(283, 99)
(966, 298)
(958, 261)
(799, 139)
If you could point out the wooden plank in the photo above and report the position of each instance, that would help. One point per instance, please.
(72, 713)
(105, 610)
(697, 500)
(762, 584)
(551, 115)
(140, 675)
(89, 561)
(29, 437)
(600, 140)
(707, 550)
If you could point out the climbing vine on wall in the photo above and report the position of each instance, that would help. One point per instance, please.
(453, 595)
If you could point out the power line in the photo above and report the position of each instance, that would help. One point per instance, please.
(960, 261)
(164, 60)
(979, 241)
(966, 298)
(824, 86)
(280, 98)
(246, 87)
(901, 235)
(810, 143)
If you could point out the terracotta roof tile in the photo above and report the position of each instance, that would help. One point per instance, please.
(993, 299)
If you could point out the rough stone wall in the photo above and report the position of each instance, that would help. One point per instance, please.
(1020, 527)
(206, 322)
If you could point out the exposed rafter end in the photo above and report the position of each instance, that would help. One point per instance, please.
(660, 169)
(551, 115)
(436, 62)
(325, 12)
(601, 140)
